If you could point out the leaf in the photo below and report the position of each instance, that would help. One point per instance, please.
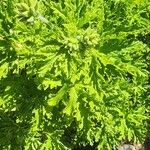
(48, 66)
(55, 100)
(51, 83)
(72, 101)
(3, 70)
(1, 101)
(36, 119)
(57, 10)
(22, 6)
(105, 59)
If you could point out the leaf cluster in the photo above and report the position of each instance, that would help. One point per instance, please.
(73, 73)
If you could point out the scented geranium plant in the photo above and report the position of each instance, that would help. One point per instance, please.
(73, 73)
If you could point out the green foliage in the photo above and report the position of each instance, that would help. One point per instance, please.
(73, 72)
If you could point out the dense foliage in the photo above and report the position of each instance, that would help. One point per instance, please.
(73, 73)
